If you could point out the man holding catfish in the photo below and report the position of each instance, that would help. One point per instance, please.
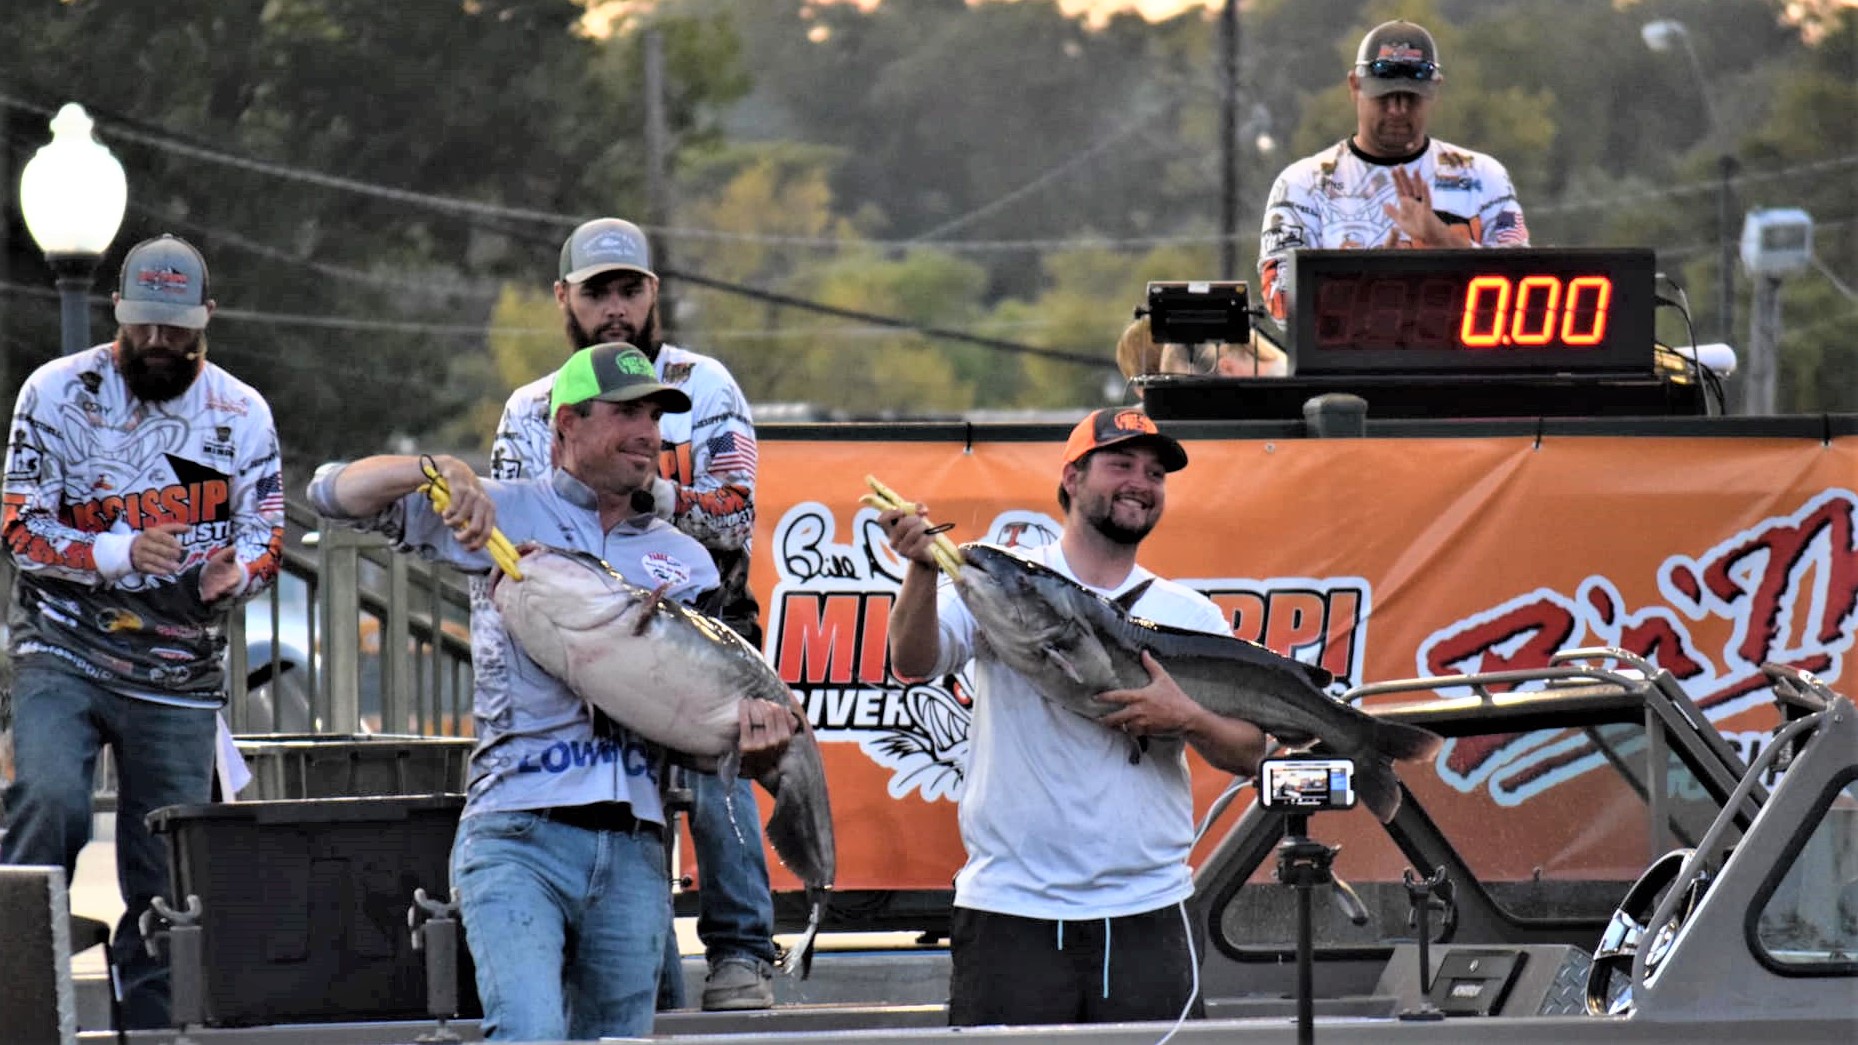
(1070, 907)
(559, 862)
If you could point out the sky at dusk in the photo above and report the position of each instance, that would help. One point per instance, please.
(1099, 9)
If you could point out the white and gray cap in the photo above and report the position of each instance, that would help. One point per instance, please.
(605, 245)
(163, 282)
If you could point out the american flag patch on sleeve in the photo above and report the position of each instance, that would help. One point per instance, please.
(271, 493)
(732, 452)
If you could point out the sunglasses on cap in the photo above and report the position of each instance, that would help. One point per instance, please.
(1396, 69)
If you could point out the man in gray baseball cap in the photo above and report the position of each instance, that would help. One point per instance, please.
(162, 309)
(608, 292)
(605, 245)
(1390, 184)
(163, 282)
(144, 506)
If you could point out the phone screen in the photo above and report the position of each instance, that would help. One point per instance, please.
(1307, 785)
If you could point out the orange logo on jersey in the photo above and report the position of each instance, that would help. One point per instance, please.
(191, 503)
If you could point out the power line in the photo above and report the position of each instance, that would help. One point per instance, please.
(289, 319)
(875, 322)
(166, 140)
(890, 322)
(1833, 278)
(1051, 175)
(1696, 188)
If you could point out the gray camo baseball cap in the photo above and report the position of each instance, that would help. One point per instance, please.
(164, 282)
(605, 245)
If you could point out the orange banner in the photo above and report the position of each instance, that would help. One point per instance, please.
(1379, 558)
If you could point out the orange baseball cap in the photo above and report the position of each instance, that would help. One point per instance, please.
(1118, 426)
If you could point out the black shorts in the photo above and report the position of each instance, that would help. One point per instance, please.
(1009, 969)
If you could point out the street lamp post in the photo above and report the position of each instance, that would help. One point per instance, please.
(1661, 36)
(72, 194)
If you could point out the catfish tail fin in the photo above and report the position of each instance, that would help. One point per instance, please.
(1401, 742)
(1378, 788)
(798, 961)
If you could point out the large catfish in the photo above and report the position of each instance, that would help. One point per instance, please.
(675, 677)
(1073, 644)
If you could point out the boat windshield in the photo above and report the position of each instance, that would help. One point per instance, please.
(1808, 920)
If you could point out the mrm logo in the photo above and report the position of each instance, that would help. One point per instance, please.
(829, 622)
(1786, 588)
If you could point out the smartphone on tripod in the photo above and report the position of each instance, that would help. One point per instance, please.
(1306, 785)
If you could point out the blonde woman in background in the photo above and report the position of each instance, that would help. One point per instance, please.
(1137, 354)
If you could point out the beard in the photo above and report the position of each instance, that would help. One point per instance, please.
(1101, 516)
(645, 341)
(156, 375)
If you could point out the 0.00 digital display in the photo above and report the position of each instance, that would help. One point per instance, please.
(1462, 311)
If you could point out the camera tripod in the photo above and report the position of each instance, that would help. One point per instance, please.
(1304, 863)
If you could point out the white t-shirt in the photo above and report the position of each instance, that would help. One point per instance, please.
(1056, 821)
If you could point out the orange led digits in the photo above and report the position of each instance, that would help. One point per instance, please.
(1592, 314)
(1483, 321)
(1525, 305)
(1537, 315)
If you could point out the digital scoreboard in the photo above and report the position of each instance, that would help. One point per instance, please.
(1548, 311)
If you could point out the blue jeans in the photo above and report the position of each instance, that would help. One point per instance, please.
(735, 908)
(164, 757)
(567, 925)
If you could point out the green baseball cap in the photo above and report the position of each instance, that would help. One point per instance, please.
(612, 373)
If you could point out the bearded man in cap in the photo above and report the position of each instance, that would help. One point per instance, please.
(144, 502)
(1390, 184)
(1071, 906)
(607, 291)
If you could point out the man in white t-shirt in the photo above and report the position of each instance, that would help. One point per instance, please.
(1070, 907)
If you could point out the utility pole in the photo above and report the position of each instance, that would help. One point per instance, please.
(657, 162)
(1228, 140)
(1764, 343)
(1726, 233)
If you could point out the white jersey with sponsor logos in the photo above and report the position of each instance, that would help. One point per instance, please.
(710, 453)
(89, 467)
(1337, 200)
(1057, 822)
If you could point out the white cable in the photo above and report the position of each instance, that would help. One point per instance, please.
(1219, 806)
(1193, 962)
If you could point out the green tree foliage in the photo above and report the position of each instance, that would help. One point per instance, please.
(882, 369)
(347, 307)
(1811, 130)
(1090, 298)
(994, 167)
(774, 200)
